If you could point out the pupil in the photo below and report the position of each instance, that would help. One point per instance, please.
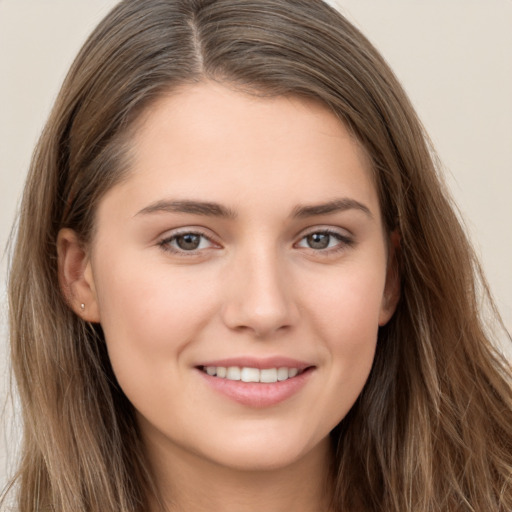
(188, 242)
(318, 240)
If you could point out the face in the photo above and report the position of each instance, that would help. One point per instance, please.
(246, 243)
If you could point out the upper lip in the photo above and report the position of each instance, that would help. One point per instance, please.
(258, 362)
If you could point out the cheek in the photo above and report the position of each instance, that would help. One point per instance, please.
(345, 316)
(347, 307)
(148, 317)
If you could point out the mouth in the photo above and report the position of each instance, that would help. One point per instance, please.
(257, 383)
(249, 374)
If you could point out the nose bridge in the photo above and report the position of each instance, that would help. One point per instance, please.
(259, 295)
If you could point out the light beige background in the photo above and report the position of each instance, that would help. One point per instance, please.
(454, 58)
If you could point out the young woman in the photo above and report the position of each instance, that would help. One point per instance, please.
(239, 284)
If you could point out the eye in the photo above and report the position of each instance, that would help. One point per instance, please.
(188, 241)
(324, 240)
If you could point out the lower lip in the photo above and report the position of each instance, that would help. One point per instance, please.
(258, 394)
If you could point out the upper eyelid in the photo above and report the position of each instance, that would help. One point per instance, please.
(207, 233)
(169, 236)
(194, 230)
(339, 236)
(333, 230)
(344, 239)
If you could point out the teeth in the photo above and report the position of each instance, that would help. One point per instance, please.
(246, 374)
(250, 375)
(233, 373)
(269, 375)
(282, 374)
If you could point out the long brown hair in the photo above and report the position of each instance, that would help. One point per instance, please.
(432, 429)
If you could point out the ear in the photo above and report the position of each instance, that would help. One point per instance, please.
(75, 276)
(391, 293)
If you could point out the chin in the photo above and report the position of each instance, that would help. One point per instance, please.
(259, 453)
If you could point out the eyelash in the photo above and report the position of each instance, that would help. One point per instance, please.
(165, 244)
(344, 242)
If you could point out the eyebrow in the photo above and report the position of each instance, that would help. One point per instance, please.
(217, 210)
(334, 206)
(192, 207)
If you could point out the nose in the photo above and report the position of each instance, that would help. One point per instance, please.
(259, 296)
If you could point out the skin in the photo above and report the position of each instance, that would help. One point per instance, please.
(254, 287)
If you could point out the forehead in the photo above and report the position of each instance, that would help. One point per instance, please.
(210, 141)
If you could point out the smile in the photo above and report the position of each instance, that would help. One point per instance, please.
(257, 387)
(248, 374)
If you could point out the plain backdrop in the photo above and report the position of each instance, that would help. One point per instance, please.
(454, 58)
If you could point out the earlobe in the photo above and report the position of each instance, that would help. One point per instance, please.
(392, 287)
(76, 279)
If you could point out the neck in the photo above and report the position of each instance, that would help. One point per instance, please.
(188, 482)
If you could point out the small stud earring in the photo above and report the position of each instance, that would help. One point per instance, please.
(82, 306)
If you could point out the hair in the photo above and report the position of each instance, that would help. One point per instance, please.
(432, 428)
